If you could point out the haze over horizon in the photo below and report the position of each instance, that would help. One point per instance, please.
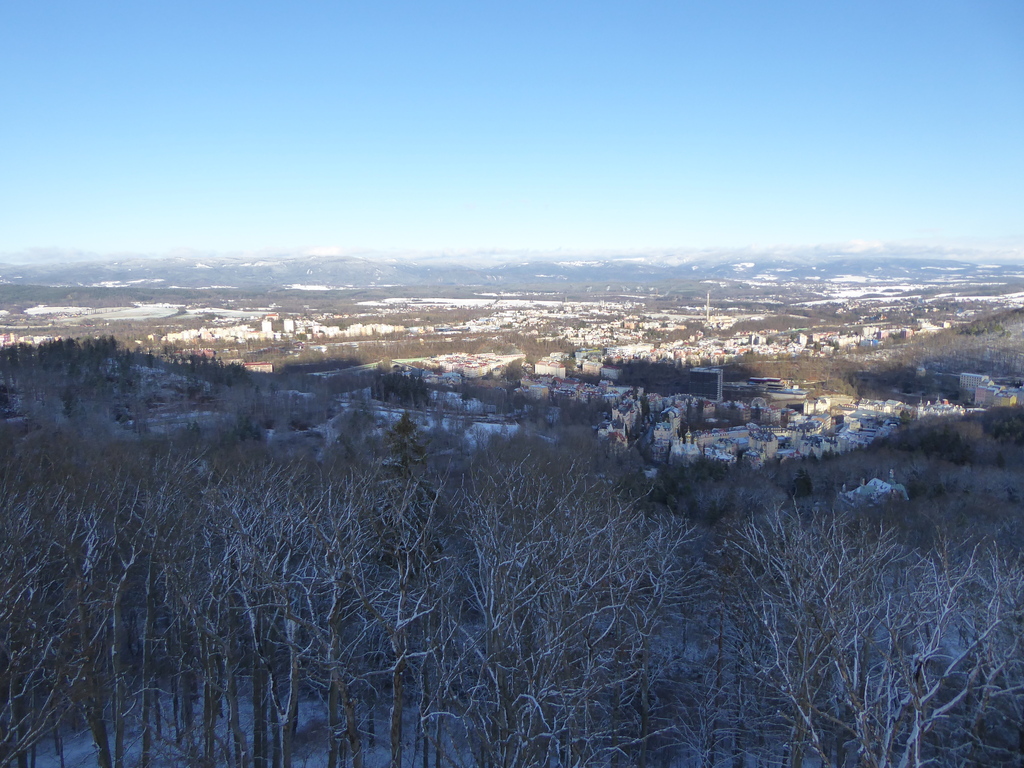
(1007, 250)
(466, 128)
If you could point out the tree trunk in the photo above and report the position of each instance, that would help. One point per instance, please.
(120, 704)
(98, 728)
(352, 725)
(291, 713)
(424, 683)
(396, 713)
(148, 672)
(19, 710)
(58, 743)
(234, 720)
(187, 691)
(645, 706)
(259, 712)
(614, 714)
(233, 663)
(275, 731)
(211, 702)
(333, 722)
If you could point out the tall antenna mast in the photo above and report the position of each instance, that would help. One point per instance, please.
(708, 309)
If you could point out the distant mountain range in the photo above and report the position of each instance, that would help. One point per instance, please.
(312, 271)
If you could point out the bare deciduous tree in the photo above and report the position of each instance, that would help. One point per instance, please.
(872, 646)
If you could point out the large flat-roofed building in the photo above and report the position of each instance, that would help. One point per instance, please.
(611, 372)
(706, 383)
(549, 368)
(969, 381)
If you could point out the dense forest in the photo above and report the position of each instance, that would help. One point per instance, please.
(205, 595)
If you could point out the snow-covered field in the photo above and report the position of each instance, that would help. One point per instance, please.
(42, 309)
(134, 312)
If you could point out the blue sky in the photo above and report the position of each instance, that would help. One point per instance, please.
(232, 126)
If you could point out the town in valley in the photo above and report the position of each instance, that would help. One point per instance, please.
(761, 371)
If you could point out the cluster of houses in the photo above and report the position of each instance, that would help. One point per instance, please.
(233, 333)
(12, 339)
(274, 328)
(469, 366)
(757, 443)
(769, 432)
(546, 387)
(666, 426)
(873, 492)
(699, 348)
(986, 392)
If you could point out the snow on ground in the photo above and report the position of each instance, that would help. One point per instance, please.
(819, 302)
(221, 312)
(504, 303)
(856, 293)
(42, 309)
(126, 283)
(476, 430)
(851, 279)
(480, 432)
(310, 741)
(478, 302)
(894, 299)
(427, 302)
(138, 311)
(1010, 298)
